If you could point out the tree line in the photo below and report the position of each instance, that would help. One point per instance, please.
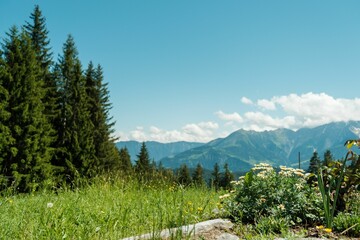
(146, 169)
(54, 115)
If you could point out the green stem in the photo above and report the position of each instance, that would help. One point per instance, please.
(338, 185)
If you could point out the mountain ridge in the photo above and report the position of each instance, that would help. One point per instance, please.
(242, 148)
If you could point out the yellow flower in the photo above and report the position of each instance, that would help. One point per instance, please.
(320, 227)
(328, 230)
(200, 209)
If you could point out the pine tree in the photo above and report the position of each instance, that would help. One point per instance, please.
(216, 177)
(76, 140)
(142, 164)
(99, 106)
(125, 160)
(27, 160)
(39, 37)
(226, 178)
(314, 163)
(6, 140)
(184, 175)
(328, 158)
(198, 178)
(38, 33)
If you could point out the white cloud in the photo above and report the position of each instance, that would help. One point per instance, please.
(291, 111)
(231, 117)
(200, 132)
(316, 109)
(246, 100)
(296, 111)
(266, 104)
(259, 121)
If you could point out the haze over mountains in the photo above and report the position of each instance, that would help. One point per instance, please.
(242, 149)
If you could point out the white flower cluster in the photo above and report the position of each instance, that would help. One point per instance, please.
(264, 170)
(289, 172)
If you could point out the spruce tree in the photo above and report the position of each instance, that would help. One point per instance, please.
(314, 163)
(76, 140)
(27, 160)
(6, 140)
(142, 164)
(184, 175)
(198, 178)
(125, 161)
(216, 177)
(99, 106)
(38, 33)
(226, 178)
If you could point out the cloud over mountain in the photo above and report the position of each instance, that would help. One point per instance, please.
(291, 111)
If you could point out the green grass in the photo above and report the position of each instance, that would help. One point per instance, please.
(104, 210)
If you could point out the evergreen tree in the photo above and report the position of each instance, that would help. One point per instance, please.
(99, 106)
(328, 158)
(27, 161)
(125, 160)
(6, 140)
(314, 163)
(216, 177)
(226, 178)
(198, 178)
(142, 164)
(38, 33)
(76, 142)
(184, 175)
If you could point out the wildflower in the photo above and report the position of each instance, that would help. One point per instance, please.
(97, 229)
(320, 227)
(49, 205)
(328, 230)
(200, 209)
(281, 207)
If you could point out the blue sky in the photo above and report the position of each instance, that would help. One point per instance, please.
(198, 70)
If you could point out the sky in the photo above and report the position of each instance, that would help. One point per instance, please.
(199, 70)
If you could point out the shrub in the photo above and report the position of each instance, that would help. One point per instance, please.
(347, 223)
(263, 192)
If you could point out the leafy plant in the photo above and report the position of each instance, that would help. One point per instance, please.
(263, 192)
(335, 182)
(348, 224)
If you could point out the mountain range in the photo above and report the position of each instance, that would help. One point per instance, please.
(242, 149)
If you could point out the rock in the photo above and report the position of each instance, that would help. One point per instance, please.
(197, 229)
(228, 236)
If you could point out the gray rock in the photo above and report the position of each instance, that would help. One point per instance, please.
(227, 236)
(189, 230)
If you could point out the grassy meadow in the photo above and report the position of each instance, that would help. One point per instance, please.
(107, 209)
